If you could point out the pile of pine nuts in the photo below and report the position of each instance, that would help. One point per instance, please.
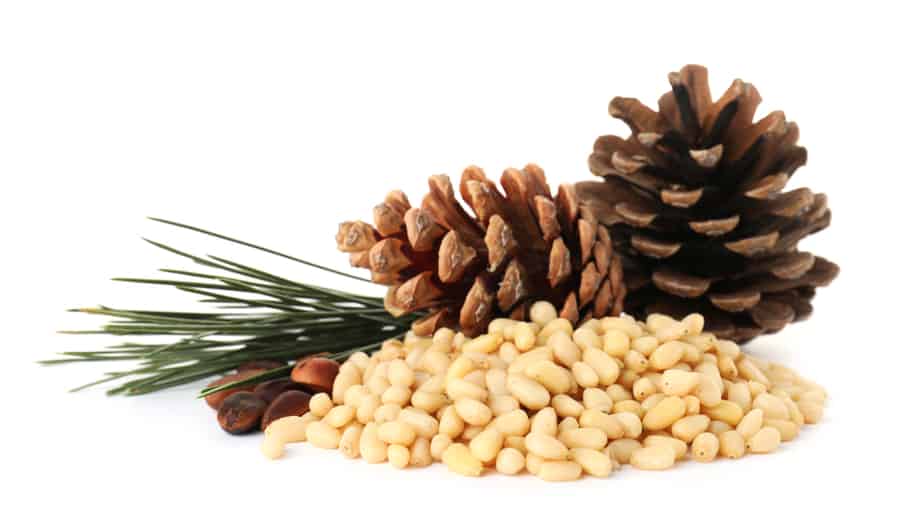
(556, 401)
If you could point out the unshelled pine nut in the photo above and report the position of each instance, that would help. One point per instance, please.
(322, 435)
(765, 440)
(559, 470)
(704, 447)
(545, 446)
(653, 458)
(458, 459)
(510, 461)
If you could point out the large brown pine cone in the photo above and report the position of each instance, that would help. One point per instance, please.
(694, 201)
(519, 247)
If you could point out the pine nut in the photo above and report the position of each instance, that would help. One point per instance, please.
(616, 343)
(545, 446)
(398, 456)
(514, 423)
(439, 444)
(719, 427)
(458, 459)
(350, 441)
(397, 432)
(620, 323)
(738, 392)
(526, 359)
(559, 471)
(460, 367)
(290, 429)
(566, 406)
(486, 343)
(387, 412)
(678, 446)
(688, 428)
(599, 399)
(679, 382)
(725, 411)
(664, 414)
(532, 463)
(528, 392)
(322, 435)
(565, 351)
(486, 445)
(633, 427)
(772, 405)
(428, 401)
(731, 444)
(320, 404)
(593, 462)
(751, 423)
(621, 450)
(340, 415)
(510, 461)
(496, 382)
(645, 345)
(653, 458)
(459, 388)
(515, 442)
(554, 326)
(643, 388)
(693, 405)
(584, 375)
(705, 447)
(397, 395)
(750, 372)
(602, 363)
(421, 422)
(501, 404)
(788, 430)
(586, 338)
(568, 423)
(272, 448)
(545, 422)
(586, 438)
(765, 440)
(473, 412)
(675, 331)
(553, 377)
(628, 405)
(542, 312)
(598, 419)
(666, 355)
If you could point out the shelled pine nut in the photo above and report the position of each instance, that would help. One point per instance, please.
(555, 400)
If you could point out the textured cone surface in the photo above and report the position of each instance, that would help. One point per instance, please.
(695, 202)
(519, 245)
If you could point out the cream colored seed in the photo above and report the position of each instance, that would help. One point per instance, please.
(688, 428)
(584, 375)
(621, 450)
(496, 381)
(428, 401)
(421, 422)
(731, 444)
(272, 447)
(459, 388)
(523, 336)
(738, 392)
(599, 419)
(586, 438)
(510, 461)
(645, 345)
(545, 421)
(788, 430)
(486, 445)
(371, 448)
(565, 351)
(593, 462)
(439, 444)
(543, 312)
(520, 364)
(598, 399)
(420, 453)
(636, 361)
(499, 325)
(345, 378)
(751, 423)
(458, 459)
(398, 395)
(290, 429)
(473, 412)
(628, 405)
(350, 441)
(545, 446)
(727, 348)
(666, 355)
(708, 390)
(586, 338)
(664, 414)
(693, 405)
(398, 456)
(566, 406)
(772, 405)
(399, 374)
(559, 471)
(528, 391)
(378, 385)
(388, 412)
(501, 404)
(616, 343)
(340, 415)
(633, 427)
(397, 432)
(606, 368)
(678, 446)
(657, 322)
(568, 423)
(451, 423)
(654, 399)
(725, 411)
(515, 442)
(679, 382)
(675, 331)
(653, 458)
(749, 371)
(532, 463)
(553, 327)
(486, 343)
(553, 377)
(643, 388)
(620, 323)
(508, 353)
(514, 423)
(704, 447)
(460, 367)
(719, 427)
(765, 440)
(320, 404)
(322, 435)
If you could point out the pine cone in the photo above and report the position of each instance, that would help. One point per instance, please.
(520, 247)
(695, 205)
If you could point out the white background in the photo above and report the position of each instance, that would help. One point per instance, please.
(273, 121)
